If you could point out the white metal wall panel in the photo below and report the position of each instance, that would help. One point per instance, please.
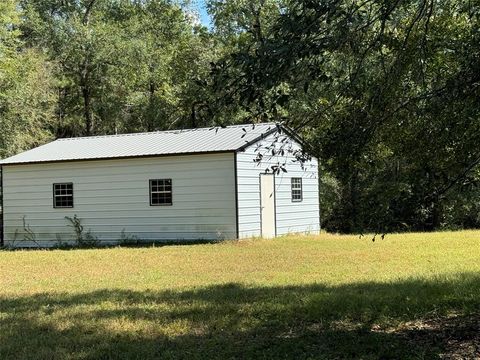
(291, 217)
(113, 195)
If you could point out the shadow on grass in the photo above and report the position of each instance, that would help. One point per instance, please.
(406, 320)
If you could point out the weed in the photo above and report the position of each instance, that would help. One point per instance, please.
(82, 238)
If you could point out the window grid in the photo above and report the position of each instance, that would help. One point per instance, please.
(63, 195)
(161, 192)
(297, 193)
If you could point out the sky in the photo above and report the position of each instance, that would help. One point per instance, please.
(204, 17)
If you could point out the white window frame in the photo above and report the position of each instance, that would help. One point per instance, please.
(57, 196)
(151, 181)
(296, 189)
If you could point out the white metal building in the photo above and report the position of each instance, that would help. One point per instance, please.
(201, 184)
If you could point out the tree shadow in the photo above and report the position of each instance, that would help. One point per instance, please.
(405, 319)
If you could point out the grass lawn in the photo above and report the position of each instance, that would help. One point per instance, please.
(302, 297)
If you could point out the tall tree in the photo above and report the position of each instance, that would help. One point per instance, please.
(26, 88)
(384, 92)
(122, 65)
(83, 47)
(167, 57)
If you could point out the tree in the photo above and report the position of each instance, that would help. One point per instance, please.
(122, 65)
(26, 93)
(169, 55)
(84, 47)
(384, 93)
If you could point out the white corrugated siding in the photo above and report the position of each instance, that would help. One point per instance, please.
(113, 195)
(291, 217)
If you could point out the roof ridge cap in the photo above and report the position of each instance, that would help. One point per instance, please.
(173, 131)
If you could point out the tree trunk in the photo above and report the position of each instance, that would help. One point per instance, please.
(151, 107)
(354, 202)
(193, 115)
(87, 111)
(84, 78)
(87, 100)
(435, 215)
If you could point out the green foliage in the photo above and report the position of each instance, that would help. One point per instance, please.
(122, 66)
(82, 238)
(385, 94)
(26, 88)
(127, 239)
(29, 235)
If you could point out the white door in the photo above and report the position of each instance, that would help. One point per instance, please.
(267, 205)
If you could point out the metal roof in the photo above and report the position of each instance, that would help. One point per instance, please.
(204, 140)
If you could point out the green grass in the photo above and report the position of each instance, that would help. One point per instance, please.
(294, 297)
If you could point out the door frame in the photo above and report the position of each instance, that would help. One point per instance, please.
(274, 201)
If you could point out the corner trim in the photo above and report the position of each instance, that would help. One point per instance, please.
(237, 218)
(257, 139)
(294, 136)
(2, 219)
(275, 202)
(287, 131)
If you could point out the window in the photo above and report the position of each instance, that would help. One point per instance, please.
(297, 195)
(63, 195)
(160, 192)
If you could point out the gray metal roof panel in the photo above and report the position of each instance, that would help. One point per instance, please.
(202, 140)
